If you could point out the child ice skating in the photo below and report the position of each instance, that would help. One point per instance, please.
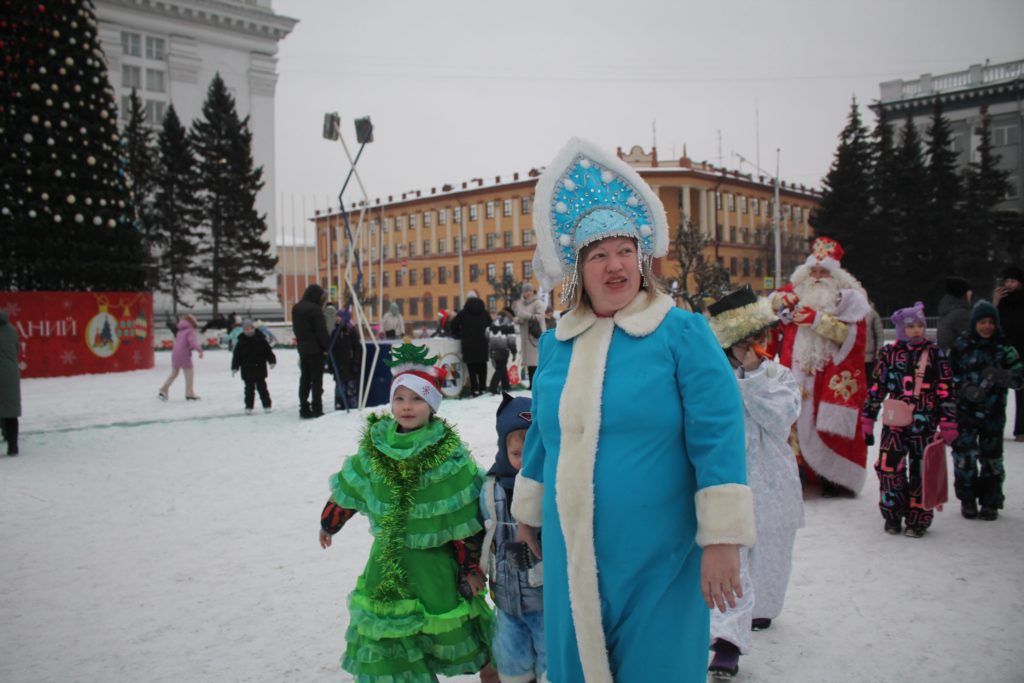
(416, 611)
(985, 366)
(771, 404)
(185, 341)
(252, 354)
(918, 380)
(515, 573)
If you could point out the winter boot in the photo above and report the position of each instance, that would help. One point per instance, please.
(893, 526)
(988, 514)
(760, 624)
(726, 662)
(969, 509)
(913, 532)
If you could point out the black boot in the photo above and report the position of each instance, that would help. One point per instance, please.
(988, 514)
(893, 526)
(760, 624)
(969, 509)
(726, 662)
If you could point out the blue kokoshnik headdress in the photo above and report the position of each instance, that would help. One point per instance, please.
(586, 195)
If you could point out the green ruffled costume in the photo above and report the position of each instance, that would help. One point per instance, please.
(420, 491)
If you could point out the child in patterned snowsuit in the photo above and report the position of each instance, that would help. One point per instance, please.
(519, 651)
(417, 610)
(901, 449)
(985, 366)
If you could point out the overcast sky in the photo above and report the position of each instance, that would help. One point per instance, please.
(459, 89)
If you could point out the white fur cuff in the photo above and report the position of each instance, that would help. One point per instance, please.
(526, 503)
(725, 514)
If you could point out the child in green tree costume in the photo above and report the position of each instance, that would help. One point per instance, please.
(417, 610)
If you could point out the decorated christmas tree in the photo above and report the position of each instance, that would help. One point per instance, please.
(65, 213)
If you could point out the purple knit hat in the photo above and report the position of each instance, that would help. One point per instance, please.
(914, 314)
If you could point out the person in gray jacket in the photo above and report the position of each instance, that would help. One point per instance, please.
(514, 572)
(954, 312)
(10, 383)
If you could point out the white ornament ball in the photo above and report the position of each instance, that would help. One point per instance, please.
(71, 199)
(607, 177)
(97, 221)
(79, 218)
(111, 223)
(34, 87)
(27, 138)
(45, 196)
(69, 61)
(104, 114)
(32, 213)
(90, 161)
(57, 218)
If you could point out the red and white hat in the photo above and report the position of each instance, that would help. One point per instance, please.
(825, 253)
(414, 370)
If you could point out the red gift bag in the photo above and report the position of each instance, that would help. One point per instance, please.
(513, 375)
(934, 477)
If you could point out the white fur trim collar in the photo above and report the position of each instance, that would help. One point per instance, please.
(639, 318)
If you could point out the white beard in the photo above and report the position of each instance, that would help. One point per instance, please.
(811, 351)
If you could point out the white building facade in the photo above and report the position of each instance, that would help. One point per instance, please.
(170, 50)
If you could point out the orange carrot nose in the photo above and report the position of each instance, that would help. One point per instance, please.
(759, 350)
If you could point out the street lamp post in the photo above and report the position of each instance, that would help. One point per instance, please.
(775, 213)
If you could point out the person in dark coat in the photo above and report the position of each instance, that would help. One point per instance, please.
(501, 343)
(10, 383)
(217, 322)
(311, 341)
(954, 312)
(251, 355)
(470, 326)
(345, 354)
(1009, 300)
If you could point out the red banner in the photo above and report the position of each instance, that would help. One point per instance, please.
(78, 333)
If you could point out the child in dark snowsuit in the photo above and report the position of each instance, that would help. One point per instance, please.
(515, 575)
(252, 354)
(985, 366)
(913, 370)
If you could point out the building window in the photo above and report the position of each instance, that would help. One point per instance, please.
(440, 245)
(525, 203)
(457, 215)
(490, 210)
(786, 210)
(155, 48)
(155, 80)
(428, 276)
(412, 249)
(757, 267)
(509, 269)
(131, 76)
(413, 277)
(472, 212)
(1012, 187)
(442, 276)
(398, 223)
(414, 306)
(426, 247)
(799, 213)
(743, 204)
(456, 274)
(442, 303)
(718, 200)
(491, 272)
(458, 303)
(428, 308)
(384, 251)
(1004, 135)
(506, 207)
(527, 237)
(387, 225)
(131, 44)
(398, 277)
(756, 206)
(527, 270)
(373, 280)
(732, 266)
(491, 240)
(442, 216)
(508, 239)
(474, 273)
(746, 267)
(412, 221)
(426, 217)
(732, 234)
(492, 303)
(730, 202)
(474, 242)
(155, 111)
(385, 277)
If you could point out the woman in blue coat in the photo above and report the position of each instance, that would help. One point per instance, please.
(634, 463)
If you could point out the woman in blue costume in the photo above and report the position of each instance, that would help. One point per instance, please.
(634, 464)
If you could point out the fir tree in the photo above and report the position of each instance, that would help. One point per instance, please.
(175, 215)
(507, 288)
(881, 277)
(234, 257)
(843, 213)
(688, 248)
(990, 232)
(944, 213)
(909, 226)
(65, 212)
(137, 139)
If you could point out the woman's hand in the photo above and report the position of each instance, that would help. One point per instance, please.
(325, 539)
(745, 356)
(528, 535)
(720, 576)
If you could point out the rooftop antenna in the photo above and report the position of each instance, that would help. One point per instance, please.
(719, 147)
(757, 131)
(654, 134)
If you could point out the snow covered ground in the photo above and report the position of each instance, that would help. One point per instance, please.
(149, 541)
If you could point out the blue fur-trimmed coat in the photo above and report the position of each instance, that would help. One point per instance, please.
(634, 461)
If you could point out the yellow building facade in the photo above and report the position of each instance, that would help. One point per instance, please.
(410, 251)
